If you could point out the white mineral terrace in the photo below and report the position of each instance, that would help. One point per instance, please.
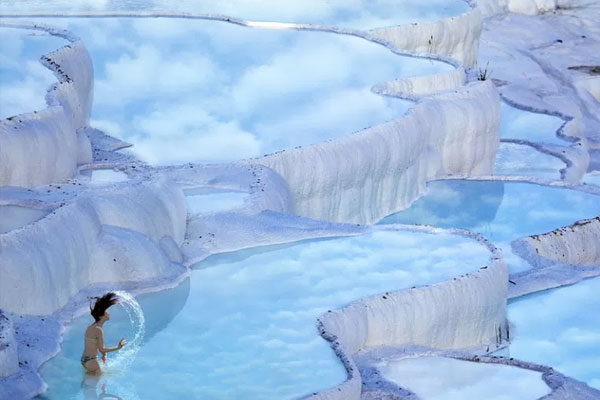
(112, 190)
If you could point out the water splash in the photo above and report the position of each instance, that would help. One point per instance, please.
(124, 357)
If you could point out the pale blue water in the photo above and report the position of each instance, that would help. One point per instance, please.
(23, 79)
(13, 217)
(203, 201)
(560, 328)
(501, 211)
(438, 378)
(592, 179)
(100, 177)
(519, 124)
(521, 160)
(356, 14)
(244, 325)
(191, 90)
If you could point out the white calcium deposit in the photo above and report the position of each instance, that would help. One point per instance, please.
(47, 145)
(455, 37)
(138, 231)
(375, 172)
(465, 312)
(577, 244)
(103, 236)
(9, 359)
(419, 86)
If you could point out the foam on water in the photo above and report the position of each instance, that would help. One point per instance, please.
(501, 211)
(438, 378)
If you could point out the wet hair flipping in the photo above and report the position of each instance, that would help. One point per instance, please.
(102, 303)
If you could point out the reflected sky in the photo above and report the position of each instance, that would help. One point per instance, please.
(560, 328)
(190, 90)
(347, 13)
(438, 378)
(520, 160)
(501, 211)
(207, 202)
(13, 217)
(23, 79)
(100, 177)
(519, 124)
(592, 179)
(247, 330)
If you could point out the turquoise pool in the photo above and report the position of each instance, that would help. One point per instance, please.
(560, 328)
(244, 325)
(501, 211)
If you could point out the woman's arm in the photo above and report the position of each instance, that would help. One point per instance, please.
(103, 349)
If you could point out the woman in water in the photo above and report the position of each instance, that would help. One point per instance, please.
(94, 335)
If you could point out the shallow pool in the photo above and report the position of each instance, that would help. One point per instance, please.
(560, 328)
(23, 79)
(192, 90)
(521, 160)
(438, 378)
(356, 14)
(101, 177)
(248, 327)
(13, 217)
(592, 179)
(204, 201)
(526, 125)
(501, 211)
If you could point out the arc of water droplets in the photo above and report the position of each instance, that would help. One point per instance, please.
(125, 356)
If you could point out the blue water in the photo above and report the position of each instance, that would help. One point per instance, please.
(501, 211)
(23, 79)
(560, 328)
(438, 378)
(243, 326)
(522, 160)
(204, 202)
(357, 14)
(100, 177)
(13, 217)
(191, 90)
(534, 127)
(592, 179)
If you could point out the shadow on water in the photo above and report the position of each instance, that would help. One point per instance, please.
(453, 204)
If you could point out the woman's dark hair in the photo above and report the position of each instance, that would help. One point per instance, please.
(102, 303)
